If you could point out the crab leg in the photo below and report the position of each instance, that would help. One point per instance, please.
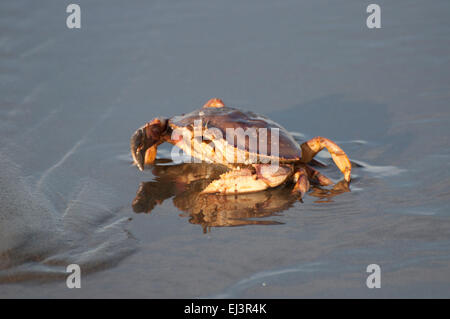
(339, 188)
(316, 177)
(316, 144)
(301, 182)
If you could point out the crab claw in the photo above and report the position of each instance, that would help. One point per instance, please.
(137, 144)
(144, 140)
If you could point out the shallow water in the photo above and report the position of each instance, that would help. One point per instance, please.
(70, 99)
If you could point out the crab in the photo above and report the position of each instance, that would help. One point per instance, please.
(255, 171)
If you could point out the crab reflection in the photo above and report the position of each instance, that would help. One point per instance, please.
(185, 182)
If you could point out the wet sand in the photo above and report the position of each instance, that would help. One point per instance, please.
(70, 100)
